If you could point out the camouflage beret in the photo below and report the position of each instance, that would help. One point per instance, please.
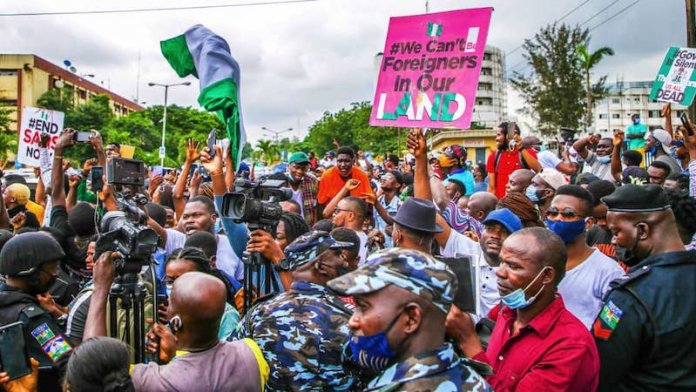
(411, 270)
(307, 247)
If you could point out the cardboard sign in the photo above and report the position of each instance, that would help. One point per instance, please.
(36, 121)
(430, 69)
(466, 297)
(676, 79)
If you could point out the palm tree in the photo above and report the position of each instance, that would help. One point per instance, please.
(588, 60)
(268, 149)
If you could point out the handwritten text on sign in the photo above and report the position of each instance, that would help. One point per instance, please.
(36, 121)
(430, 69)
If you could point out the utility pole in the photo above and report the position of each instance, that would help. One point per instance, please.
(691, 40)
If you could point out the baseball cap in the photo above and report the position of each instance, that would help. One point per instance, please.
(553, 177)
(409, 269)
(661, 136)
(506, 218)
(298, 157)
(307, 247)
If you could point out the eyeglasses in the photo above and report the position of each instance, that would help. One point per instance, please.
(338, 211)
(566, 213)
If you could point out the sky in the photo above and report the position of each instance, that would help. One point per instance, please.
(301, 59)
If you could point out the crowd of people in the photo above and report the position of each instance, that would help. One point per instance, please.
(581, 259)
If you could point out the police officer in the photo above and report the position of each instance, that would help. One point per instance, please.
(646, 329)
(398, 328)
(30, 263)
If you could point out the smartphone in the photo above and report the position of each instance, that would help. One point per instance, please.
(96, 178)
(13, 351)
(211, 142)
(685, 122)
(158, 171)
(82, 137)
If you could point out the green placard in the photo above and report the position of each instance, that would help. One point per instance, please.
(676, 79)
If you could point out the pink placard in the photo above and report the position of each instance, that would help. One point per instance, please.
(430, 69)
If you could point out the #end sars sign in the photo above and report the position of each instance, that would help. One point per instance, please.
(37, 121)
(430, 69)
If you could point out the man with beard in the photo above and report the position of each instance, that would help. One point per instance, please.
(511, 155)
(645, 332)
(30, 263)
(387, 204)
(588, 271)
(543, 188)
(304, 185)
(334, 179)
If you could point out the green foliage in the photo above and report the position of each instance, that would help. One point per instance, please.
(587, 61)
(61, 99)
(269, 151)
(247, 150)
(555, 89)
(8, 136)
(351, 126)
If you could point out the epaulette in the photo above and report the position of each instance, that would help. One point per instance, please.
(630, 277)
(32, 311)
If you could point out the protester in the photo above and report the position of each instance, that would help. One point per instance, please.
(543, 188)
(304, 186)
(677, 182)
(16, 197)
(336, 178)
(99, 364)
(644, 332)
(329, 160)
(587, 271)
(351, 212)
(387, 204)
(519, 180)
(415, 225)
(599, 161)
(397, 331)
(658, 171)
(537, 344)
(548, 159)
(658, 147)
(459, 171)
(635, 133)
(307, 315)
(684, 209)
(599, 235)
(508, 158)
(480, 177)
(523, 208)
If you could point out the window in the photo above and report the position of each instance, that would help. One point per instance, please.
(486, 71)
(615, 100)
(653, 113)
(8, 72)
(615, 115)
(8, 102)
(487, 56)
(82, 94)
(603, 116)
(485, 86)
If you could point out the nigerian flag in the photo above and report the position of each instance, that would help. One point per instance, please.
(206, 55)
(434, 29)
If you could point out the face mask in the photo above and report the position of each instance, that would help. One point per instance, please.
(531, 194)
(168, 290)
(628, 255)
(636, 121)
(653, 150)
(516, 299)
(372, 352)
(291, 179)
(604, 160)
(568, 231)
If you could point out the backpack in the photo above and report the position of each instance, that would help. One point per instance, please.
(497, 159)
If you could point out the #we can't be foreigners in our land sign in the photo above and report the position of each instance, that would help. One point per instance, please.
(430, 69)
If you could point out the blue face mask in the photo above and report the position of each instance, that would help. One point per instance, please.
(604, 160)
(372, 352)
(636, 120)
(531, 194)
(568, 231)
(168, 290)
(517, 299)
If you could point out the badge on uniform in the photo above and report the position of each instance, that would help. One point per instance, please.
(608, 319)
(54, 346)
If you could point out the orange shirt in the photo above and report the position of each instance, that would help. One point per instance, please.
(331, 183)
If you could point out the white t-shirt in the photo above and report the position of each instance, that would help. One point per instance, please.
(548, 160)
(459, 244)
(226, 259)
(297, 196)
(583, 287)
(363, 247)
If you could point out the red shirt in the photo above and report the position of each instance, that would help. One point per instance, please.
(331, 183)
(509, 162)
(554, 352)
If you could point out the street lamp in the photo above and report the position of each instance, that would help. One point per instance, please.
(276, 133)
(162, 150)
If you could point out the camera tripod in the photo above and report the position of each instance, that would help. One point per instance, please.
(260, 278)
(129, 293)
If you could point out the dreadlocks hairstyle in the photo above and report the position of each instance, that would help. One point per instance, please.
(521, 206)
(295, 225)
(202, 264)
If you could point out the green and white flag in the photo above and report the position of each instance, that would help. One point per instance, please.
(206, 55)
(434, 29)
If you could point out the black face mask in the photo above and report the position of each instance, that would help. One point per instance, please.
(628, 255)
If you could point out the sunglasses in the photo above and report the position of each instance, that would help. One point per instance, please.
(338, 211)
(567, 213)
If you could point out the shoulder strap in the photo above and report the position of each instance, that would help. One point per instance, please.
(498, 153)
(522, 161)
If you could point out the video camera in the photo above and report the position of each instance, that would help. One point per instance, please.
(256, 203)
(125, 230)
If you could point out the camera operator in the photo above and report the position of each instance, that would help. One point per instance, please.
(77, 226)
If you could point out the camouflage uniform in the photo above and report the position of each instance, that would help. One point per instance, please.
(440, 369)
(302, 332)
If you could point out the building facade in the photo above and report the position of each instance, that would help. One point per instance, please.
(490, 108)
(628, 98)
(25, 77)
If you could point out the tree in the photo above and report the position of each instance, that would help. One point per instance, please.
(554, 90)
(247, 150)
(588, 60)
(61, 99)
(8, 136)
(269, 150)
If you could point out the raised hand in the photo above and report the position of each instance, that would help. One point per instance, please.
(192, 153)
(416, 143)
(212, 165)
(618, 138)
(352, 184)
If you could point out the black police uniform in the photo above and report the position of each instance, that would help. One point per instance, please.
(44, 338)
(646, 330)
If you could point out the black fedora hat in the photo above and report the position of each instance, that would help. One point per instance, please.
(418, 214)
